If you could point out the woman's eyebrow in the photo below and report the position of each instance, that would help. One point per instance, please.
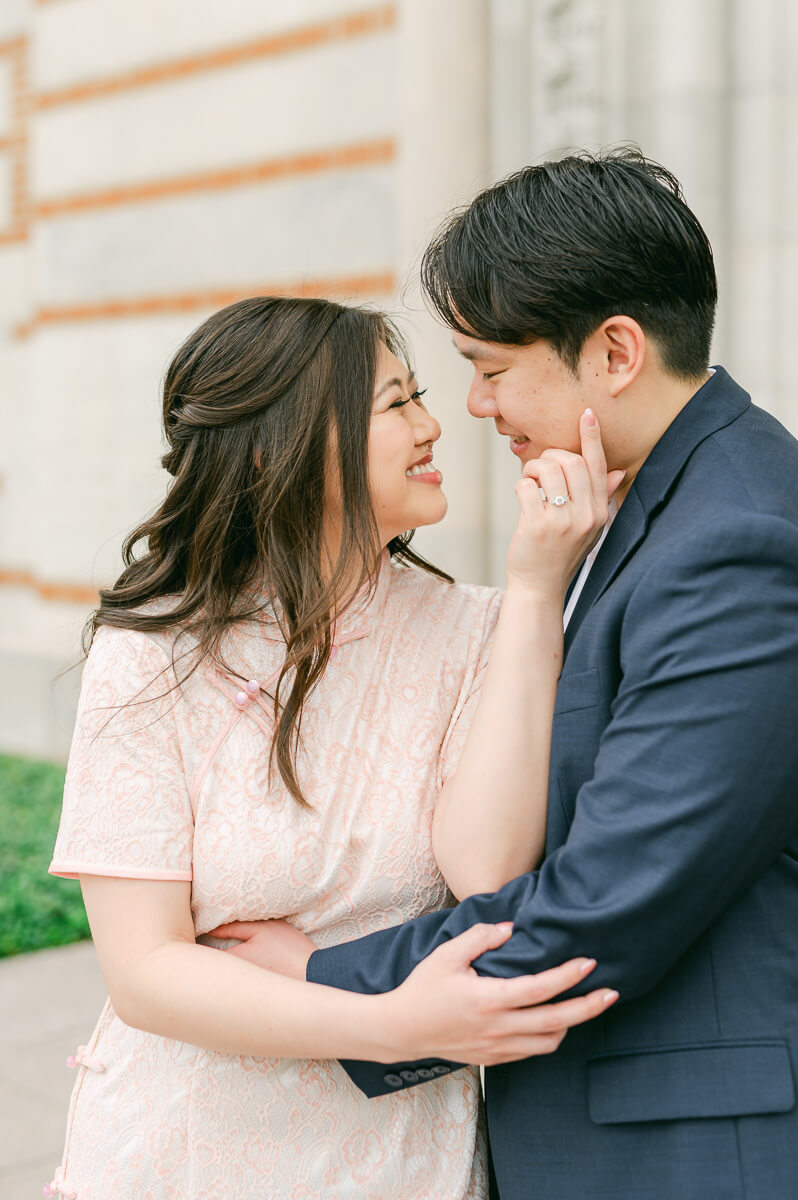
(395, 382)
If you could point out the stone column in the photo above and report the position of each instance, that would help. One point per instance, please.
(443, 160)
(678, 109)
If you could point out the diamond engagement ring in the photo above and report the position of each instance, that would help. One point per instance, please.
(557, 501)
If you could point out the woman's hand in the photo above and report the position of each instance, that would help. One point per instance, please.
(445, 1010)
(552, 540)
(276, 945)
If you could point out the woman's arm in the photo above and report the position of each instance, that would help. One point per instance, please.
(490, 818)
(161, 981)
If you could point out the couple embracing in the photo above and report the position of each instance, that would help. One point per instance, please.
(346, 828)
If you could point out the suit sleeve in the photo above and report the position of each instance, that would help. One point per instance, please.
(693, 794)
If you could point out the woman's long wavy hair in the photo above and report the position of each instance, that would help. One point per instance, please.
(260, 404)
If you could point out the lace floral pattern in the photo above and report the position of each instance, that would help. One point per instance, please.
(175, 786)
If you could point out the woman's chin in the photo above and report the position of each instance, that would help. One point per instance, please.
(432, 513)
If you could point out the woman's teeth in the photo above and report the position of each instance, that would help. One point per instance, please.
(421, 469)
(519, 441)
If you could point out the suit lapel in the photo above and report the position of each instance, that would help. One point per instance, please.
(719, 402)
(623, 537)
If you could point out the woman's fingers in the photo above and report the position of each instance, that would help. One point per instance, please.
(235, 929)
(524, 990)
(564, 1014)
(593, 451)
(463, 949)
(529, 497)
(549, 475)
(614, 481)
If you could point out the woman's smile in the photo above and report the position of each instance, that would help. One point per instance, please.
(423, 471)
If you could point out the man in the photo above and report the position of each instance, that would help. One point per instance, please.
(672, 849)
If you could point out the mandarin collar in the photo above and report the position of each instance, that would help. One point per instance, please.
(359, 619)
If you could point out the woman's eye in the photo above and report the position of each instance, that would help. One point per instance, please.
(399, 404)
(418, 393)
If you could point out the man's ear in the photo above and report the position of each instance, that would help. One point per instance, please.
(622, 349)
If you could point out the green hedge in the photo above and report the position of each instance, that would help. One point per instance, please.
(36, 910)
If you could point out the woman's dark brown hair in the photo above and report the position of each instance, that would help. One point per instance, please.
(258, 402)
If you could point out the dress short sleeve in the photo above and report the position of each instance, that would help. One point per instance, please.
(126, 808)
(487, 605)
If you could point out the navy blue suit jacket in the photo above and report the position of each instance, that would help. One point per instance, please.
(672, 847)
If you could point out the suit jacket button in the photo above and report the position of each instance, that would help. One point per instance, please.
(441, 1070)
(394, 1081)
(409, 1076)
(424, 1073)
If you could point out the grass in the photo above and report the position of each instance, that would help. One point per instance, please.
(36, 909)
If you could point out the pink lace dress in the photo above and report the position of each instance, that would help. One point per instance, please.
(176, 788)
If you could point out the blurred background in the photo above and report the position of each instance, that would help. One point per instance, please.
(161, 158)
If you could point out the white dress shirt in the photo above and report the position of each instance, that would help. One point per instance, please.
(573, 599)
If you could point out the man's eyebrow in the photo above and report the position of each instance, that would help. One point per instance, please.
(490, 355)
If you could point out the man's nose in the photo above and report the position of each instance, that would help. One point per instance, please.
(481, 401)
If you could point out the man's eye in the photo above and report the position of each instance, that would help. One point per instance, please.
(490, 374)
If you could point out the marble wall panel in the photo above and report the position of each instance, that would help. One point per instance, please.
(328, 96)
(7, 209)
(7, 115)
(336, 223)
(15, 18)
(94, 411)
(78, 40)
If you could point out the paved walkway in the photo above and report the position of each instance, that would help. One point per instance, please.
(49, 1003)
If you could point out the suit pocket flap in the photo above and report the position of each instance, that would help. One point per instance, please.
(721, 1079)
(577, 691)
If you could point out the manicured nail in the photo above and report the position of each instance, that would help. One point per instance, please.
(590, 417)
(587, 965)
(610, 998)
(505, 926)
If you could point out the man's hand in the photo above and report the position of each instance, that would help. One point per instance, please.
(445, 1010)
(276, 945)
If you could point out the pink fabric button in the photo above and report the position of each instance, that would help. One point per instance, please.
(253, 687)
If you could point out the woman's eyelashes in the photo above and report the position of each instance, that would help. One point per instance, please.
(416, 395)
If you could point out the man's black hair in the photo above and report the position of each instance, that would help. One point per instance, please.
(553, 250)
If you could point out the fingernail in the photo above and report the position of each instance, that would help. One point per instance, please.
(610, 998)
(504, 926)
(590, 417)
(587, 965)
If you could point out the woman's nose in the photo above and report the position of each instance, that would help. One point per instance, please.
(481, 401)
(427, 428)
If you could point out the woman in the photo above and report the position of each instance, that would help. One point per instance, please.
(277, 693)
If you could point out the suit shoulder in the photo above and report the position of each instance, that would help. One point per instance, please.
(762, 455)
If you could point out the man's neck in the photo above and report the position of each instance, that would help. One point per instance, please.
(661, 402)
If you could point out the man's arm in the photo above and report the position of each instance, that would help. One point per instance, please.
(693, 794)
